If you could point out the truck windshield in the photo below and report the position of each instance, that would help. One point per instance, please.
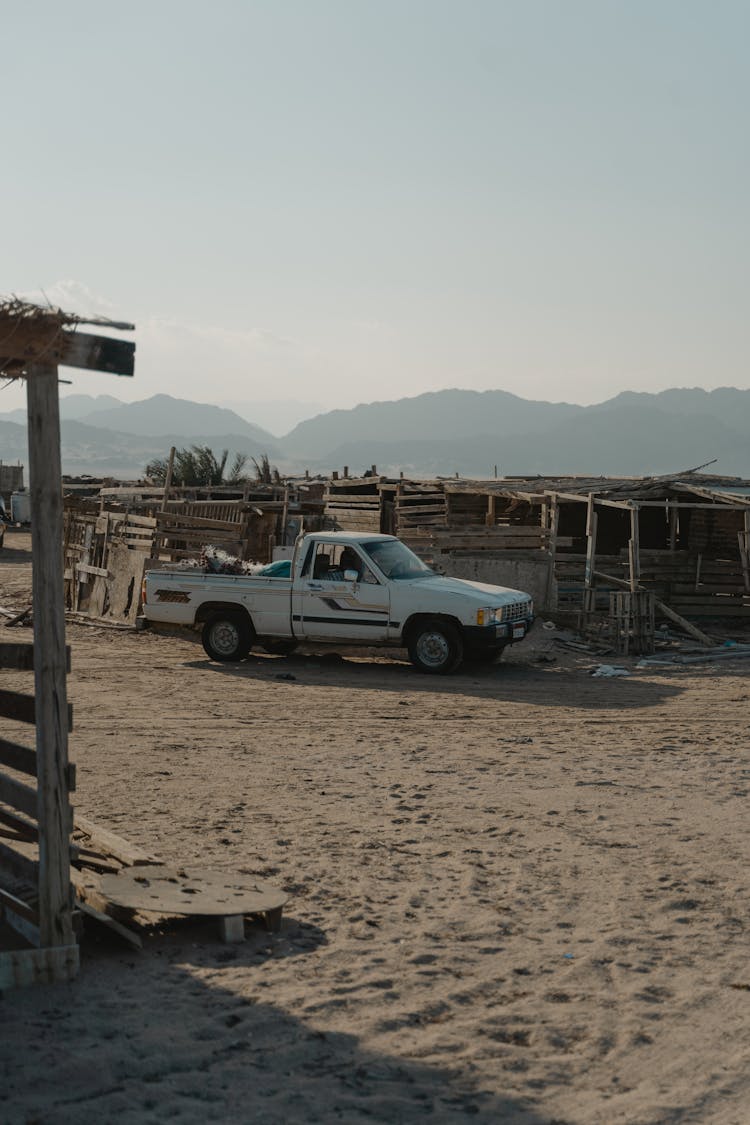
(395, 560)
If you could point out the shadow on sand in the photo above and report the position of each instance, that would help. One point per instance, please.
(546, 685)
(189, 1031)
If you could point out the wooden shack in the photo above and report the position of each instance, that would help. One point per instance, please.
(572, 541)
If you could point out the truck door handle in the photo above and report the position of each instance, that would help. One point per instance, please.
(314, 586)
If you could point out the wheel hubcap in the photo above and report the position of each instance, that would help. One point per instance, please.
(433, 649)
(225, 637)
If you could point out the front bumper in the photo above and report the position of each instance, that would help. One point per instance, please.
(494, 638)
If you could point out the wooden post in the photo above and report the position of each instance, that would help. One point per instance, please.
(591, 520)
(158, 539)
(285, 515)
(634, 551)
(53, 807)
(489, 519)
(674, 516)
(554, 523)
(168, 480)
(744, 542)
(589, 592)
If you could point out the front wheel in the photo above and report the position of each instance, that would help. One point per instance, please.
(227, 637)
(436, 647)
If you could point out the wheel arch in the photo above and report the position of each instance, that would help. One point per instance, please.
(412, 623)
(208, 609)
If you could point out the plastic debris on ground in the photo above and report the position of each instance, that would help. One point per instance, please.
(609, 671)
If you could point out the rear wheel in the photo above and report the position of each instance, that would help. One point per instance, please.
(227, 637)
(436, 647)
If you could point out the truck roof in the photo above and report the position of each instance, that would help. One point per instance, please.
(349, 536)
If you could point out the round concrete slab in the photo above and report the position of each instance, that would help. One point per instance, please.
(190, 890)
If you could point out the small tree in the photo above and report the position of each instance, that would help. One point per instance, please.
(265, 473)
(199, 466)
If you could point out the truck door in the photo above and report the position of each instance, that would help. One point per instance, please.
(326, 607)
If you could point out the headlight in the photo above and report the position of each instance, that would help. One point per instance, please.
(490, 616)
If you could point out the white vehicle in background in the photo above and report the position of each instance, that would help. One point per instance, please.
(344, 588)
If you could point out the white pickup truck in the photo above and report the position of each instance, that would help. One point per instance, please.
(343, 588)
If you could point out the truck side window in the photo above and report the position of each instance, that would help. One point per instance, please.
(368, 576)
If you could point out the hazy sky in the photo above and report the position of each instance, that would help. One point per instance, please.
(338, 201)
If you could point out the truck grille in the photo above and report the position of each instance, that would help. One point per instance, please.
(517, 612)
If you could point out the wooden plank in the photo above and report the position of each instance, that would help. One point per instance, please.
(18, 795)
(130, 936)
(14, 705)
(21, 657)
(18, 906)
(22, 829)
(20, 968)
(196, 535)
(52, 712)
(420, 510)
(109, 843)
(18, 656)
(168, 519)
(96, 353)
(19, 758)
(99, 571)
(15, 863)
(141, 544)
(138, 521)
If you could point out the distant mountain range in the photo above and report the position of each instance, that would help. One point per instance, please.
(440, 433)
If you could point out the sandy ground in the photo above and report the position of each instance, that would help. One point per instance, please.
(518, 894)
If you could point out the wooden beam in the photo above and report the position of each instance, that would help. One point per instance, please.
(21, 657)
(743, 538)
(20, 827)
(19, 758)
(674, 524)
(18, 864)
(17, 656)
(18, 795)
(108, 843)
(554, 525)
(52, 717)
(634, 552)
(18, 906)
(33, 344)
(18, 707)
(591, 522)
(98, 353)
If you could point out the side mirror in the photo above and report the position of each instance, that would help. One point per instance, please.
(351, 576)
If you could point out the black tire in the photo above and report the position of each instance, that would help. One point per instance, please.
(436, 647)
(227, 636)
(279, 647)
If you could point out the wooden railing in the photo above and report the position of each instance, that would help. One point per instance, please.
(35, 889)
